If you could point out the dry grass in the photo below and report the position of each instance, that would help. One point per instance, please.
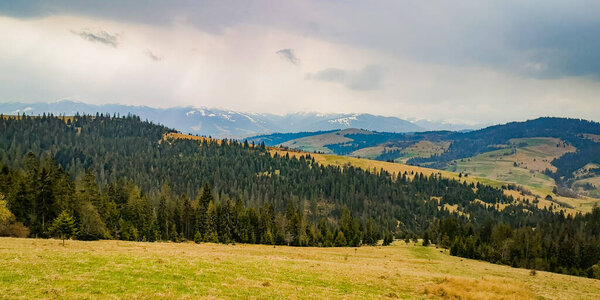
(371, 152)
(480, 289)
(176, 135)
(426, 149)
(593, 137)
(367, 164)
(33, 268)
(318, 142)
(539, 153)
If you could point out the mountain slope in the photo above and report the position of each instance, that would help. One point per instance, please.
(559, 156)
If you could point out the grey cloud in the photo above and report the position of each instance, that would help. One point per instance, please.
(289, 55)
(370, 77)
(536, 38)
(99, 36)
(153, 56)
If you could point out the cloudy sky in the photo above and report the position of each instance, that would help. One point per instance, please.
(471, 62)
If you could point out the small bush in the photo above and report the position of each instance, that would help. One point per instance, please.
(16, 229)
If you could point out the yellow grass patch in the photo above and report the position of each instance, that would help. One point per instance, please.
(426, 148)
(181, 136)
(36, 268)
(539, 155)
(477, 289)
(593, 137)
(371, 152)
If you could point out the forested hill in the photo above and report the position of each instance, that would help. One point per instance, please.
(120, 178)
(572, 131)
(441, 149)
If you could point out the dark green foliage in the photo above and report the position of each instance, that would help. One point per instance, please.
(564, 244)
(426, 239)
(120, 179)
(388, 239)
(340, 240)
(63, 227)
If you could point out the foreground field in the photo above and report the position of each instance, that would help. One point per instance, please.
(34, 268)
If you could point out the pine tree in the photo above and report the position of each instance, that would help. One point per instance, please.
(426, 238)
(63, 227)
(388, 239)
(340, 240)
(211, 223)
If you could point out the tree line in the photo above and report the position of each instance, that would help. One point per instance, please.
(42, 197)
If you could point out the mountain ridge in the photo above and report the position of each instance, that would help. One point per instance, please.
(224, 123)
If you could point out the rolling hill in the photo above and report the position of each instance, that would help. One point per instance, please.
(558, 157)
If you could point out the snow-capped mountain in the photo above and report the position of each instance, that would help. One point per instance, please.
(221, 123)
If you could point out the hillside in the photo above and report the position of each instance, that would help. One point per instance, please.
(557, 157)
(531, 192)
(126, 179)
(43, 268)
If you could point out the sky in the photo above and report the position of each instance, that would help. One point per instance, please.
(467, 62)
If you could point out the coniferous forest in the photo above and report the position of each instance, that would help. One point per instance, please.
(111, 177)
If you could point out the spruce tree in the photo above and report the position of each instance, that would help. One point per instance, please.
(63, 227)
(340, 240)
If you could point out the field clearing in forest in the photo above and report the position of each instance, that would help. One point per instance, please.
(37, 268)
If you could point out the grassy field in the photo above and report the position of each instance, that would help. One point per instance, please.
(35, 268)
(318, 142)
(424, 149)
(523, 163)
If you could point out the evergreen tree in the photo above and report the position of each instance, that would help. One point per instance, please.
(340, 240)
(426, 238)
(63, 227)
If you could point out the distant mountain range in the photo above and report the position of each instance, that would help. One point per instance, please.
(221, 123)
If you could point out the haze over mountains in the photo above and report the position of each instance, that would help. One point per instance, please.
(222, 123)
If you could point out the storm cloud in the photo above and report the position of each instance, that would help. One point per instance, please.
(538, 38)
(470, 61)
